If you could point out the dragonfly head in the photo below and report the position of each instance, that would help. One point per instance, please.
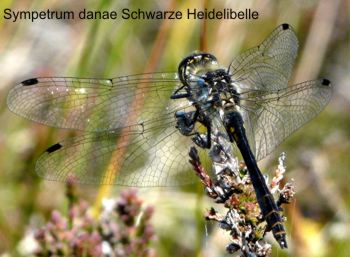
(193, 72)
(204, 81)
(195, 66)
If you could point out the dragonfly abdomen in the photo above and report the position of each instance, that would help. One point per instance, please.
(234, 125)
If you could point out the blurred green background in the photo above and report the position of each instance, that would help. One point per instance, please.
(317, 155)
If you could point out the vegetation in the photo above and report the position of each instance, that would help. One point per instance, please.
(317, 221)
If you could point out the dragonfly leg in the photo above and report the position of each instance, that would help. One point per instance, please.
(186, 122)
(200, 139)
(177, 95)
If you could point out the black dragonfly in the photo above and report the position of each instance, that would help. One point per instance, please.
(137, 127)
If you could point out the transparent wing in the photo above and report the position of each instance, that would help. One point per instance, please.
(269, 65)
(94, 104)
(271, 116)
(154, 158)
(134, 140)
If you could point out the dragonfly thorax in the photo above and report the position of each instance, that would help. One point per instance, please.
(222, 91)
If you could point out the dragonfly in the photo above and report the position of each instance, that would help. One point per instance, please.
(138, 129)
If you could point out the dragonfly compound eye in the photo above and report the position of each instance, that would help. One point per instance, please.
(195, 65)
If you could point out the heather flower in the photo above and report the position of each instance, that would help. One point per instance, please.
(232, 187)
(123, 229)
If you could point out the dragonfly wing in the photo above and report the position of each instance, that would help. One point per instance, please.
(269, 65)
(94, 104)
(154, 158)
(271, 116)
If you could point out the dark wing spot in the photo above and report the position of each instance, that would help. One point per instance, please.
(54, 148)
(285, 26)
(326, 82)
(30, 82)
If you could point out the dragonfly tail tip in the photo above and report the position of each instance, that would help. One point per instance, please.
(283, 243)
